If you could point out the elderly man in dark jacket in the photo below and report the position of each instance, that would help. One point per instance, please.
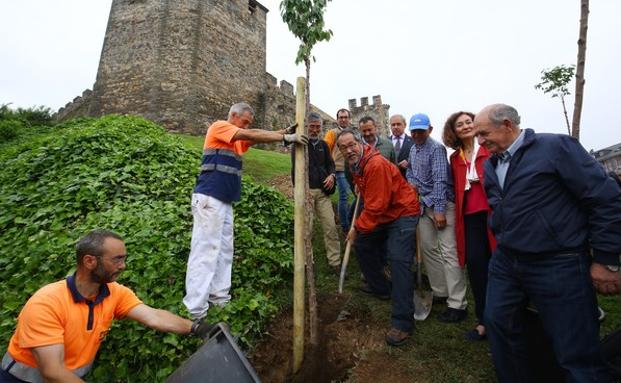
(557, 220)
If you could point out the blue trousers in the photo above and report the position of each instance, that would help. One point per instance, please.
(343, 206)
(398, 239)
(559, 286)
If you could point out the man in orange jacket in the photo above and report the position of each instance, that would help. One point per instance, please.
(388, 222)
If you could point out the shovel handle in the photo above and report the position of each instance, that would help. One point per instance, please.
(419, 259)
(348, 248)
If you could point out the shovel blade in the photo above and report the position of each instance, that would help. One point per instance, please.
(422, 304)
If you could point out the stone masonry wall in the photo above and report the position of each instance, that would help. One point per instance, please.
(378, 111)
(76, 108)
(183, 63)
(127, 72)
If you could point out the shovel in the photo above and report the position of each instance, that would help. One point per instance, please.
(348, 248)
(423, 299)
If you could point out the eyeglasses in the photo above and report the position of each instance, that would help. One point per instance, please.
(345, 148)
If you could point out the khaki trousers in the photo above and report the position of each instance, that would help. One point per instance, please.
(439, 251)
(322, 208)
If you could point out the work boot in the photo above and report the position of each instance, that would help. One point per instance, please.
(439, 300)
(451, 315)
(396, 337)
(367, 290)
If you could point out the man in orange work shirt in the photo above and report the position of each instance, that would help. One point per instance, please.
(208, 277)
(388, 221)
(61, 327)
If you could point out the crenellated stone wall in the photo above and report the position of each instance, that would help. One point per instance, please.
(76, 108)
(378, 111)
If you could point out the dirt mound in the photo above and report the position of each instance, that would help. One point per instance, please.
(283, 184)
(347, 341)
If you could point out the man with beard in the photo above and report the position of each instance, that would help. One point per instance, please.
(322, 184)
(388, 221)
(60, 328)
(367, 128)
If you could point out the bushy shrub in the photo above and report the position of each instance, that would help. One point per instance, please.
(9, 129)
(128, 175)
(33, 116)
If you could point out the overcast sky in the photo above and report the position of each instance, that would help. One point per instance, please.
(434, 57)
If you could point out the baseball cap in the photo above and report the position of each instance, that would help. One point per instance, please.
(419, 121)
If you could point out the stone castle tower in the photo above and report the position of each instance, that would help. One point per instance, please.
(377, 110)
(183, 63)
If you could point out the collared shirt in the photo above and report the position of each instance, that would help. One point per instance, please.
(381, 145)
(504, 159)
(429, 172)
(59, 314)
(396, 139)
(372, 145)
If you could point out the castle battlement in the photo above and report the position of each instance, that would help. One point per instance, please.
(377, 110)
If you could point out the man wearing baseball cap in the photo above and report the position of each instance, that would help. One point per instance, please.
(428, 170)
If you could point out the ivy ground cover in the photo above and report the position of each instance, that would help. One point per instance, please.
(129, 175)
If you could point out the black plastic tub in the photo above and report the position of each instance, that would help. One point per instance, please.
(218, 360)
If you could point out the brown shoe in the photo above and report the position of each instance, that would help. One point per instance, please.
(336, 270)
(396, 337)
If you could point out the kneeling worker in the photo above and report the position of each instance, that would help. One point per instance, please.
(60, 328)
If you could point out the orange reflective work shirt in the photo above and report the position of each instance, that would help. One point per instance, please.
(220, 136)
(58, 314)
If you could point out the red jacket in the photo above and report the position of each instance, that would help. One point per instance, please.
(458, 169)
(385, 193)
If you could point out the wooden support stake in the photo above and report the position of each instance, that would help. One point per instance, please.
(299, 251)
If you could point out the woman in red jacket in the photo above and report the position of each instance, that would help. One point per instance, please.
(474, 241)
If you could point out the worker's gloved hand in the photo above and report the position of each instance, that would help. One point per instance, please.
(201, 328)
(291, 129)
(297, 138)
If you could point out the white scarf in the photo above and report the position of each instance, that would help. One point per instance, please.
(471, 171)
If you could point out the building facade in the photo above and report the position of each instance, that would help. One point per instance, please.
(610, 158)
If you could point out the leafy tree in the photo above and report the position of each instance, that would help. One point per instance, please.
(584, 25)
(305, 20)
(555, 81)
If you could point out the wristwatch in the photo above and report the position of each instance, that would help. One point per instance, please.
(614, 268)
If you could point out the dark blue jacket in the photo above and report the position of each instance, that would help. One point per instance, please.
(404, 152)
(556, 198)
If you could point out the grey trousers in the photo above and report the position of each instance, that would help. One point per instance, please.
(439, 252)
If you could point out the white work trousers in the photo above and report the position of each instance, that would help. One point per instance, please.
(208, 277)
(439, 250)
